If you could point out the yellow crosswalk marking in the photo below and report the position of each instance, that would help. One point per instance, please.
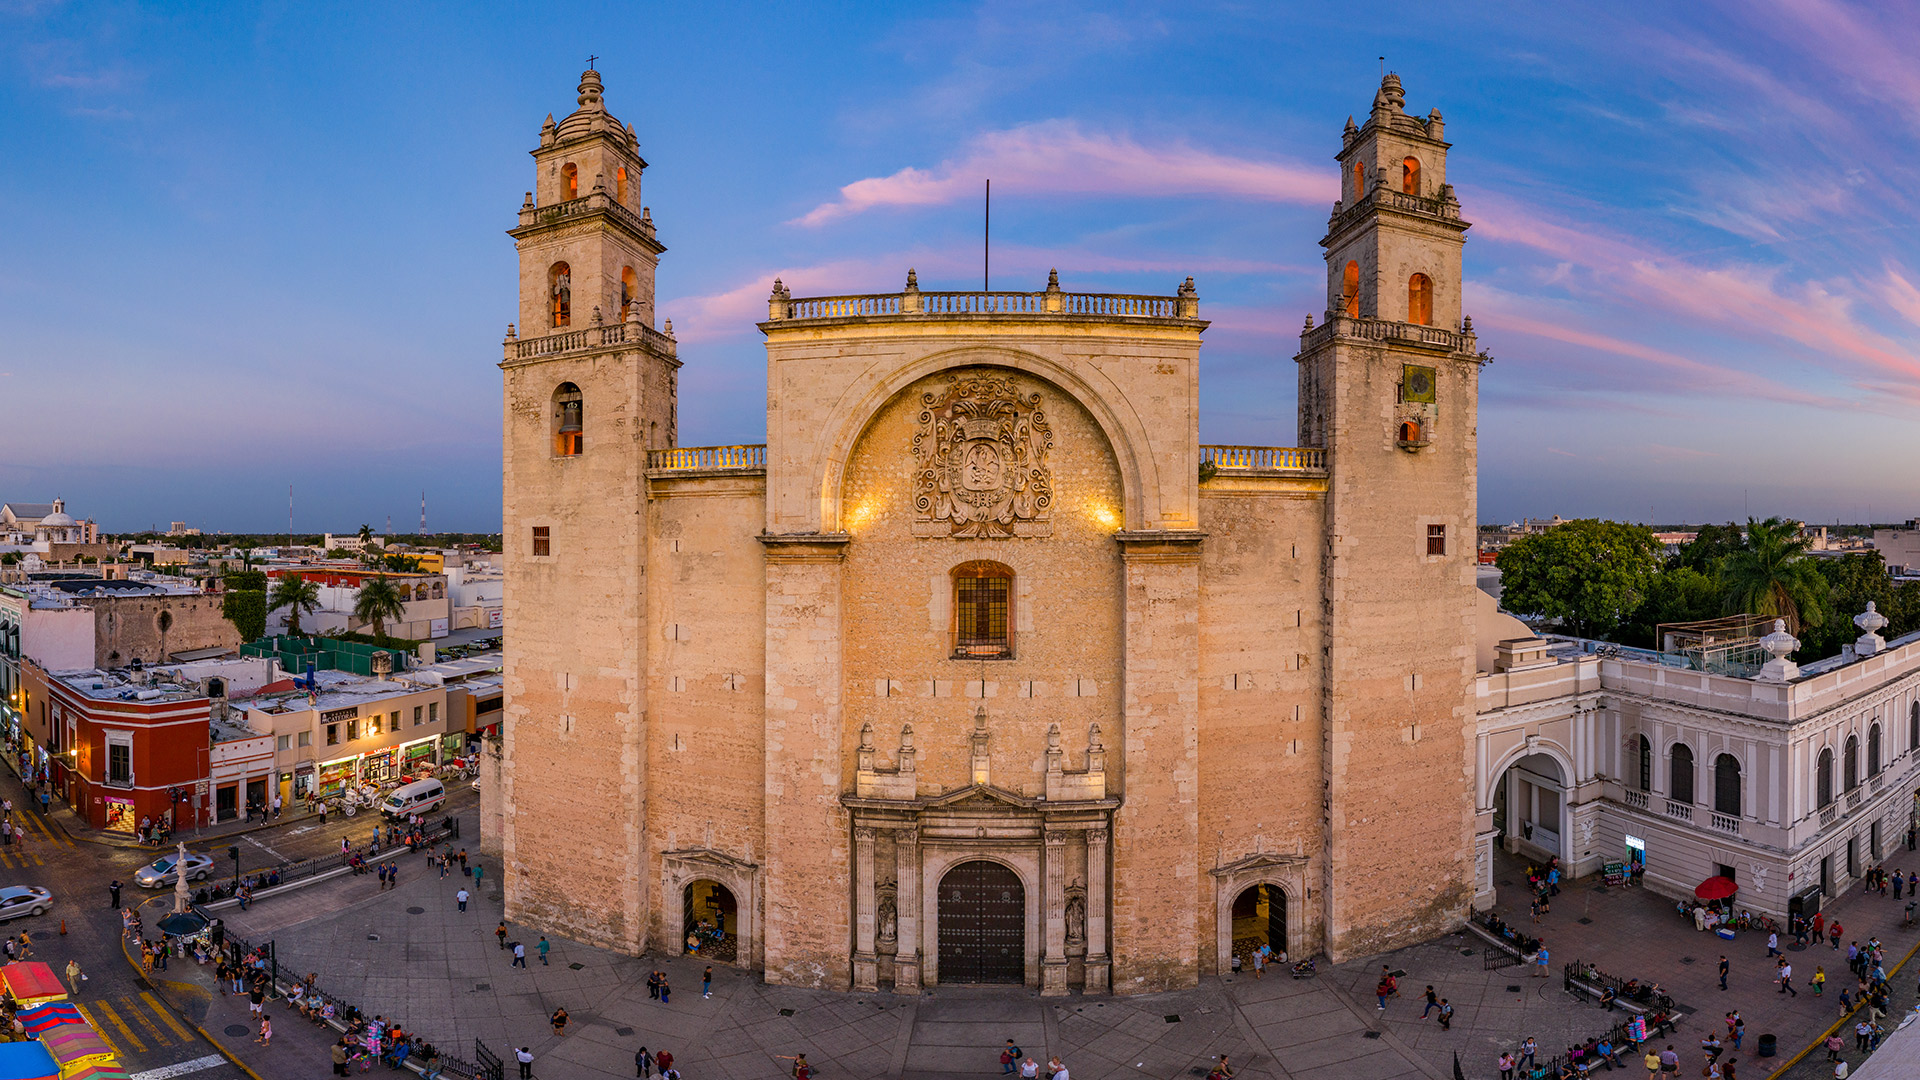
(46, 831)
(139, 1016)
(101, 1010)
(19, 860)
(166, 1014)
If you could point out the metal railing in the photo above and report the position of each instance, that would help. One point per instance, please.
(1264, 458)
(708, 458)
(286, 873)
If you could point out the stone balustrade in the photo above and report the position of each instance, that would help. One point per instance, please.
(1050, 302)
(1387, 330)
(591, 337)
(1443, 208)
(687, 459)
(1264, 459)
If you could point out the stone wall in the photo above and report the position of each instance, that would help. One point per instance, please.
(152, 628)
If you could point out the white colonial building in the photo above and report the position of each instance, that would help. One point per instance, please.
(1792, 781)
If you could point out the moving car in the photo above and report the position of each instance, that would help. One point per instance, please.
(18, 900)
(162, 871)
(415, 798)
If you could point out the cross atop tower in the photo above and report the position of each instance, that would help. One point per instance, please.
(590, 61)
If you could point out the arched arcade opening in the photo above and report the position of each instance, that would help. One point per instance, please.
(712, 919)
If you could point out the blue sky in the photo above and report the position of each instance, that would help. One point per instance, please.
(254, 245)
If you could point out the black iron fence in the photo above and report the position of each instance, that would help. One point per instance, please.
(286, 873)
(1584, 980)
(348, 1018)
(1522, 943)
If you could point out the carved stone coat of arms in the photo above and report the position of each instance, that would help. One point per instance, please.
(981, 461)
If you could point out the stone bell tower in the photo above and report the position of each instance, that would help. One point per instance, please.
(1389, 385)
(589, 391)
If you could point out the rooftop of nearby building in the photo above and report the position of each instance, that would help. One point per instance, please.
(466, 669)
(122, 684)
(337, 690)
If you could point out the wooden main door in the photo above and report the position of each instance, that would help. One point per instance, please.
(983, 925)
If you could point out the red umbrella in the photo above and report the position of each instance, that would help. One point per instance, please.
(1716, 888)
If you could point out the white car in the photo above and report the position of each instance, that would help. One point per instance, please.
(163, 872)
(18, 900)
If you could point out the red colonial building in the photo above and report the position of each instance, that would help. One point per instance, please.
(119, 746)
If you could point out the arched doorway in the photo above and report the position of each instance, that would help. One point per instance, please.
(983, 924)
(1259, 918)
(712, 921)
(1529, 807)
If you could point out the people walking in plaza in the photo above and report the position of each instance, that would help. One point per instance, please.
(665, 990)
(801, 1070)
(1009, 1057)
(653, 985)
(559, 1021)
(265, 1038)
(500, 934)
(340, 1057)
(1773, 944)
(1833, 933)
(1507, 1065)
(1433, 1002)
(525, 1057)
(706, 977)
(543, 947)
(113, 894)
(642, 1064)
(1819, 981)
(1029, 1068)
(477, 871)
(461, 898)
(1723, 971)
(1446, 1015)
(1540, 962)
(663, 1061)
(1786, 978)
(519, 955)
(75, 976)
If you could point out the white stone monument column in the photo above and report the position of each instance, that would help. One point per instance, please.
(866, 965)
(1098, 961)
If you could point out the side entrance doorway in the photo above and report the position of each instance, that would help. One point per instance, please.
(712, 918)
(982, 924)
(1259, 918)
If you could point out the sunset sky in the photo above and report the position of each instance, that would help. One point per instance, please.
(255, 245)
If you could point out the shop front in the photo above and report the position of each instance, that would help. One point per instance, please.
(335, 776)
(378, 766)
(453, 745)
(121, 816)
(415, 754)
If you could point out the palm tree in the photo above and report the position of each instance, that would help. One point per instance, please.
(1771, 575)
(297, 595)
(378, 601)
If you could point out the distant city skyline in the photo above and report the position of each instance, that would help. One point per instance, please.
(259, 246)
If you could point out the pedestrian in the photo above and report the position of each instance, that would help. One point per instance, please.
(461, 898)
(1786, 978)
(801, 1070)
(1507, 1065)
(1446, 1015)
(383, 877)
(113, 894)
(1029, 1069)
(543, 947)
(642, 1064)
(477, 871)
(257, 996)
(1433, 1002)
(500, 933)
(1009, 1057)
(706, 978)
(1773, 944)
(393, 874)
(1833, 933)
(75, 976)
(1259, 963)
(665, 990)
(525, 1057)
(1723, 971)
(1056, 1069)
(265, 1038)
(1527, 1049)
(519, 955)
(1540, 962)
(559, 1021)
(653, 985)
(339, 1054)
(1819, 981)
(464, 872)
(1670, 1060)
(663, 1061)
(1652, 1062)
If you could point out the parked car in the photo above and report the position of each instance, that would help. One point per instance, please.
(162, 871)
(18, 900)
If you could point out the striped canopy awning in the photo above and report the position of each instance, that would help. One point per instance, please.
(49, 1015)
(32, 982)
(97, 1071)
(76, 1045)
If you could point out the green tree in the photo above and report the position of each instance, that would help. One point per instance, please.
(366, 534)
(246, 609)
(252, 580)
(378, 601)
(1772, 576)
(1711, 544)
(1585, 575)
(401, 564)
(1677, 594)
(298, 596)
(1853, 581)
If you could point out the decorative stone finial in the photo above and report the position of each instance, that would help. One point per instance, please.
(1053, 280)
(527, 203)
(1466, 324)
(633, 312)
(913, 280)
(511, 336)
(669, 330)
(1350, 131)
(777, 301)
(1309, 325)
(866, 736)
(1189, 300)
(600, 182)
(1779, 644)
(1392, 98)
(597, 320)
(590, 91)
(1871, 622)
(1186, 287)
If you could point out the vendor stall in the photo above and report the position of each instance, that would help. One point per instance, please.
(76, 1046)
(45, 1017)
(27, 1061)
(31, 982)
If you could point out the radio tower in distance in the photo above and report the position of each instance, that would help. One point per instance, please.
(423, 513)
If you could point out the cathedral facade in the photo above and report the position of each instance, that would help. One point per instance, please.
(983, 668)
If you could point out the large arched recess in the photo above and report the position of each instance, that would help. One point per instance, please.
(1119, 421)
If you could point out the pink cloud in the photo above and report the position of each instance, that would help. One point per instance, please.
(1056, 156)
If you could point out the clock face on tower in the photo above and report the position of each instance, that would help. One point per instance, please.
(1416, 383)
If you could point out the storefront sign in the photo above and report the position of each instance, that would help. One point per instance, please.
(496, 618)
(335, 715)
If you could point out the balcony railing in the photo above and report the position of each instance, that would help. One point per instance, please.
(1875, 783)
(1386, 330)
(591, 337)
(1444, 209)
(1679, 810)
(1726, 823)
(1049, 302)
(593, 203)
(1261, 459)
(1855, 799)
(1636, 799)
(970, 647)
(708, 458)
(1827, 814)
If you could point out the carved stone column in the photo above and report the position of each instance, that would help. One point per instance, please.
(906, 962)
(866, 966)
(1053, 916)
(1098, 962)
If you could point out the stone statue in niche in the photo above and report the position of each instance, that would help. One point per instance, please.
(981, 461)
(888, 918)
(1076, 919)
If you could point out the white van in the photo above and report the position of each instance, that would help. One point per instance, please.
(415, 798)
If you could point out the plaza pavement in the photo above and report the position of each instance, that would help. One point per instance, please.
(410, 955)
